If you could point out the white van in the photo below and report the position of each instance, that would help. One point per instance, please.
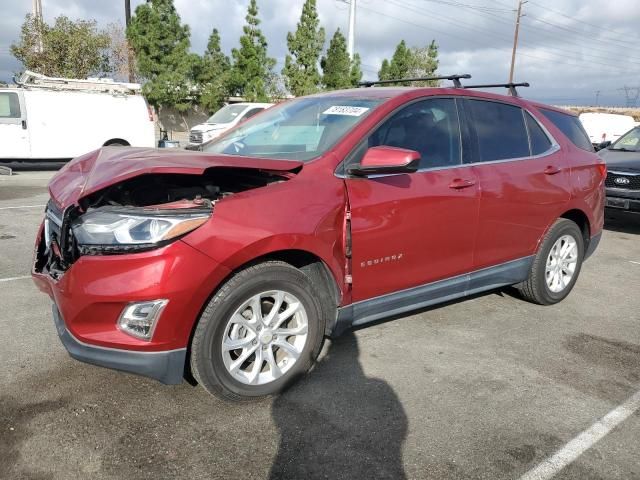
(224, 119)
(57, 119)
(603, 127)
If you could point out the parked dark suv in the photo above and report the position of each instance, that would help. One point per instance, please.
(623, 178)
(316, 215)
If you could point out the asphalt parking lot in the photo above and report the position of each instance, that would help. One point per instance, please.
(488, 388)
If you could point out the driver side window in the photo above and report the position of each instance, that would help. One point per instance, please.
(430, 127)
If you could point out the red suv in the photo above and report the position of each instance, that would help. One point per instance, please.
(322, 213)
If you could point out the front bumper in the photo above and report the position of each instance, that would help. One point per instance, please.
(92, 293)
(166, 367)
(622, 199)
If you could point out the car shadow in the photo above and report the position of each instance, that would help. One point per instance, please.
(623, 222)
(339, 423)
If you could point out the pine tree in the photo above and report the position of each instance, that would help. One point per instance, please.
(336, 66)
(383, 73)
(356, 70)
(305, 46)
(252, 67)
(213, 74)
(401, 62)
(161, 45)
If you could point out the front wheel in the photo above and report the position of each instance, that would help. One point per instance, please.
(557, 265)
(259, 333)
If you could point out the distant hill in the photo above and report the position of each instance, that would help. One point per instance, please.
(634, 112)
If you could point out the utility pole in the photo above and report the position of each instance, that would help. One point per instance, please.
(352, 29)
(515, 39)
(37, 16)
(127, 21)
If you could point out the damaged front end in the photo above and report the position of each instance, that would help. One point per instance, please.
(139, 214)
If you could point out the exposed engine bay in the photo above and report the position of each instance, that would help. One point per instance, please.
(141, 213)
(162, 190)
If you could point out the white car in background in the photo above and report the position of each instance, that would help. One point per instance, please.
(606, 127)
(56, 119)
(223, 120)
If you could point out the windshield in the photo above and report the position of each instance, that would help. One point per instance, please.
(630, 141)
(227, 114)
(301, 129)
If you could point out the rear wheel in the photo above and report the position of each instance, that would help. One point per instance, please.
(258, 334)
(557, 265)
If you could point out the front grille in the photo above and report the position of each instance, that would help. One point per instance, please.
(626, 181)
(195, 137)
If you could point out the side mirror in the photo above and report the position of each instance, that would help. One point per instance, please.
(386, 160)
(603, 145)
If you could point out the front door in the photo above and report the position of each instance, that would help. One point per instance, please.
(412, 229)
(14, 136)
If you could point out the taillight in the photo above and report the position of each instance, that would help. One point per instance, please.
(602, 168)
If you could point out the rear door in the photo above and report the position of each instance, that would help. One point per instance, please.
(413, 229)
(523, 179)
(14, 133)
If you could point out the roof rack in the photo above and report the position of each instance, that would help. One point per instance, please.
(31, 79)
(454, 78)
(510, 86)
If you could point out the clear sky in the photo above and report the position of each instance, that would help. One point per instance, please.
(569, 50)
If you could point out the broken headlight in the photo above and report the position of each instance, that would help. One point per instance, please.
(121, 230)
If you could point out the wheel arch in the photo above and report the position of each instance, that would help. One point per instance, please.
(581, 219)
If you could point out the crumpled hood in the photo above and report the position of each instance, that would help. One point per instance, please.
(107, 166)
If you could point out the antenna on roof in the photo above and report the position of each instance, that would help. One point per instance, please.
(510, 86)
(454, 78)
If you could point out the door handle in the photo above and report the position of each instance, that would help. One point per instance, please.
(24, 124)
(552, 170)
(460, 183)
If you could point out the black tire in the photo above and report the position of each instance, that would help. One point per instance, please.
(535, 288)
(207, 362)
(117, 144)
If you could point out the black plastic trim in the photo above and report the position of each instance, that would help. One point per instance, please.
(367, 311)
(166, 367)
(593, 245)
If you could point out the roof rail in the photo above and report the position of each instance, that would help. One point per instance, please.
(454, 78)
(31, 80)
(510, 86)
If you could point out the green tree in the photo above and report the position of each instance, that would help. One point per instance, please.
(424, 63)
(401, 62)
(251, 73)
(161, 45)
(356, 70)
(300, 70)
(213, 74)
(338, 70)
(383, 73)
(71, 49)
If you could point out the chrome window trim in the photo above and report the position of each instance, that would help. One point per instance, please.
(554, 148)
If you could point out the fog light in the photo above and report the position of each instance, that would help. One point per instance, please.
(139, 319)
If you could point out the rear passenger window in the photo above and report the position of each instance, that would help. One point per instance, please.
(500, 129)
(572, 128)
(9, 105)
(540, 143)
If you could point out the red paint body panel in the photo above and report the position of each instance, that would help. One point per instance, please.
(495, 213)
(428, 227)
(94, 292)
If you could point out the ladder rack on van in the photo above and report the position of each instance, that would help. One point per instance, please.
(36, 80)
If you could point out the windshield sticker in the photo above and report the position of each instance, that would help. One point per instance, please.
(346, 110)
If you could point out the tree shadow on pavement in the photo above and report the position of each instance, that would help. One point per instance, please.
(338, 423)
